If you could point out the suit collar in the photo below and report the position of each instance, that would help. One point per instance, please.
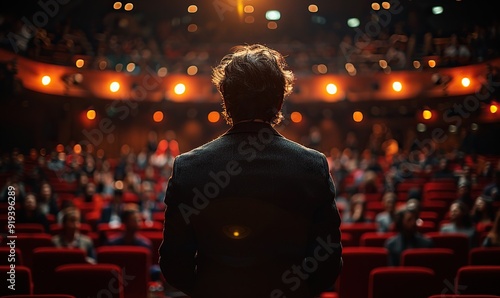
(251, 127)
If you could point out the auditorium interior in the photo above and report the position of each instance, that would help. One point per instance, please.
(98, 97)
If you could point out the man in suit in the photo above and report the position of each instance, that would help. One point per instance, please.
(251, 213)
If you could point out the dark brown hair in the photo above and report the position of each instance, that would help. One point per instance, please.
(253, 83)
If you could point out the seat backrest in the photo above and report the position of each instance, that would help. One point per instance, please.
(19, 280)
(90, 280)
(457, 242)
(358, 263)
(375, 239)
(484, 256)
(134, 261)
(11, 256)
(440, 260)
(30, 228)
(358, 229)
(45, 262)
(397, 282)
(27, 242)
(478, 280)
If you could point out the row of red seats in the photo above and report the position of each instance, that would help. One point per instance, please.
(75, 276)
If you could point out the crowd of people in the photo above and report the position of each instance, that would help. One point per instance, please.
(119, 39)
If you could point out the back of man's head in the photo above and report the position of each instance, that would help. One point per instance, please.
(253, 83)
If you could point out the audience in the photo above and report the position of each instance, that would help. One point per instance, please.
(407, 235)
(357, 210)
(47, 200)
(385, 218)
(483, 211)
(70, 235)
(30, 213)
(492, 239)
(460, 222)
(112, 212)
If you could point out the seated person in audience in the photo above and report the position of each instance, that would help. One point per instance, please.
(112, 213)
(70, 235)
(30, 213)
(443, 170)
(483, 211)
(131, 219)
(492, 239)
(407, 236)
(47, 200)
(357, 210)
(492, 190)
(464, 192)
(385, 218)
(460, 222)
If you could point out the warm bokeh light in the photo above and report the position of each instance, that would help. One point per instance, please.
(192, 8)
(129, 6)
(79, 63)
(375, 6)
(46, 80)
(119, 184)
(114, 86)
(331, 88)
(192, 70)
(248, 9)
(119, 67)
(493, 108)
(426, 114)
(382, 63)
(249, 19)
(158, 116)
(296, 117)
(432, 63)
(465, 82)
(313, 8)
(117, 5)
(103, 64)
(130, 67)
(192, 28)
(272, 25)
(77, 148)
(322, 69)
(357, 116)
(213, 116)
(91, 114)
(60, 148)
(180, 89)
(416, 64)
(236, 234)
(397, 86)
(386, 5)
(162, 71)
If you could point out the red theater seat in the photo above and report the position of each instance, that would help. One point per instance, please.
(45, 262)
(134, 261)
(397, 282)
(484, 256)
(90, 280)
(23, 281)
(6, 257)
(28, 242)
(375, 239)
(459, 243)
(358, 263)
(440, 260)
(358, 229)
(478, 280)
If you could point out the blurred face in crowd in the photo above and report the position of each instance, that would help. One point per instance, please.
(72, 221)
(133, 222)
(455, 212)
(30, 202)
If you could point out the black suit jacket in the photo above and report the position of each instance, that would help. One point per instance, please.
(251, 214)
